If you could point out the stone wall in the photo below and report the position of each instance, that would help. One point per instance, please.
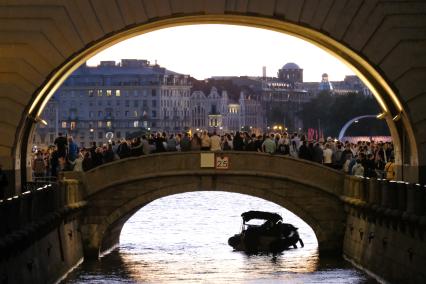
(40, 240)
(385, 228)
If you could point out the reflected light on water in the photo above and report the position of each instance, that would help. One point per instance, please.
(184, 238)
(189, 242)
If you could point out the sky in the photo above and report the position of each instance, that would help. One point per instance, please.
(203, 51)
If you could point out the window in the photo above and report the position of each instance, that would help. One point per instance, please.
(99, 123)
(117, 93)
(135, 103)
(117, 103)
(90, 93)
(118, 134)
(91, 114)
(154, 113)
(117, 114)
(64, 124)
(99, 93)
(153, 92)
(100, 135)
(154, 103)
(126, 113)
(99, 113)
(73, 125)
(135, 123)
(127, 103)
(109, 124)
(135, 113)
(108, 93)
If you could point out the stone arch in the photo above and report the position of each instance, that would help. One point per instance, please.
(101, 237)
(342, 43)
(111, 204)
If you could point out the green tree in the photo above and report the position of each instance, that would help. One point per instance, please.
(333, 111)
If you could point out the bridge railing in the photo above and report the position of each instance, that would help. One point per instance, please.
(387, 198)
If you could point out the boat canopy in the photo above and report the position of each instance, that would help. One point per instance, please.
(249, 215)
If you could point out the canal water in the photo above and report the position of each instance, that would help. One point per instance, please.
(183, 238)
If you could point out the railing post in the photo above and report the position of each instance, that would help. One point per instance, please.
(365, 189)
(347, 186)
(393, 195)
(374, 191)
(384, 188)
(415, 199)
(401, 187)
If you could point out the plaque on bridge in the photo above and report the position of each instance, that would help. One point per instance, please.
(222, 162)
(207, 160)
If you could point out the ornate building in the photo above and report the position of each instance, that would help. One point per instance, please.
(218, 112)
(118, 98)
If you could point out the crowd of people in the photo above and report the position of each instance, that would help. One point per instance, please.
(364, 158)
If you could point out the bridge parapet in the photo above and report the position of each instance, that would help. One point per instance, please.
(189, 163)
(384, 199)
(34, 212)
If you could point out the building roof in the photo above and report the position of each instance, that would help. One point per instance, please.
(291, 66)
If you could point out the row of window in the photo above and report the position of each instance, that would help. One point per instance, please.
(108, 124)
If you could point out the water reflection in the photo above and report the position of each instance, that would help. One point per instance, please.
(183, 238)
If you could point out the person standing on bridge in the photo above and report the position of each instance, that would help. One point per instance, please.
(389, 169)
(269, 145)
(215, 142)
(328, 156)
(205, 141)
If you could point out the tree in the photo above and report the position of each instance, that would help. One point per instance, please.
(333, 111)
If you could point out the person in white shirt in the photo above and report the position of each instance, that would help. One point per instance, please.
(215, 142)
(328, 155)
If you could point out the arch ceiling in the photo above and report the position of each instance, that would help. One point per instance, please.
(42, 41)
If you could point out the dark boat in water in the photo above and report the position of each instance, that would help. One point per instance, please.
(272, 236)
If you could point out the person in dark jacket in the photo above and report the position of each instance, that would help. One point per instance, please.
(318, 154)
(87, 162)
(185, 143)
(304, 151)
(137, 147)
(238, 142)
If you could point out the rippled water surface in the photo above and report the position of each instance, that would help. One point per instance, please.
(183, 238)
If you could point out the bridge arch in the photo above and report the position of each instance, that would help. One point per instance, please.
(309, 190)
(391, 97)
(349, 123)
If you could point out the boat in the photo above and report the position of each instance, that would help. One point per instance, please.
(272, 236)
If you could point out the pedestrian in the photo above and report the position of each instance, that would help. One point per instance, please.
(269, 145)
(328, 156)
(61, 145)
(215, 142)
(185, 143)
(205, 141)
(195, 143)
(39, 166)
(390, 169)
(358, 169)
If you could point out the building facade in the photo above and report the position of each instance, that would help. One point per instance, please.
(118, 98)
(135, 96)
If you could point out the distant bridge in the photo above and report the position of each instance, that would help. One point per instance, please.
(115, 191)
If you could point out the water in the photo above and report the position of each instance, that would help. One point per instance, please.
(183, 238)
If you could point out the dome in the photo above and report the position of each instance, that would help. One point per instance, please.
(324, 75)
(291, 65)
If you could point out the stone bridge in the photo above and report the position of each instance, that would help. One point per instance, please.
(115, 191)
